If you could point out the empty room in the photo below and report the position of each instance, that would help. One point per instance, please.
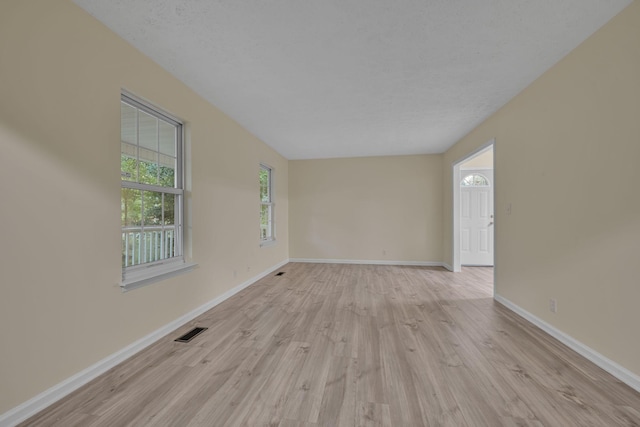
(407, 213)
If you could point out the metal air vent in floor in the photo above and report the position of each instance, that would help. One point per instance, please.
(191, 334)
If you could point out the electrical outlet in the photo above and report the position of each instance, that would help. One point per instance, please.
(553, 305)
(384, 252)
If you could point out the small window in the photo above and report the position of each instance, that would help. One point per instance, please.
(474, 180)
(151, 198)
(266, 205)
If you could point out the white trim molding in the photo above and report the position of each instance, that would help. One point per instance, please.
(48, 397)
(367, 261)
(447, 266)
(620, 372)
(139, 278)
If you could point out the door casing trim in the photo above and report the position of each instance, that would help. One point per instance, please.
(456, 168)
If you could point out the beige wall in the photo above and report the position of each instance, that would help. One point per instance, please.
(481, 161)
(374, 208)
(566, 159)
(573, 233)
(61, 308)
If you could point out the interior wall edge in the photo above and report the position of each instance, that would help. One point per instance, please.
(447, 266)
(370, 262)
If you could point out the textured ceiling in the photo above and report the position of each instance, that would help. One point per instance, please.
(342, 78)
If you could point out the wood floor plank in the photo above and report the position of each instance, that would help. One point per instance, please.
(371, 414)
(269, 406)
(295, 423)
(305, 399)
(338, 406)
(355, 345)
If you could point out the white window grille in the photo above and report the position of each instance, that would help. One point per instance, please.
(267, 207)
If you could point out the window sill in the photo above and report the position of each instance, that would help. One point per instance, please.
(144, 277)
(269, 242)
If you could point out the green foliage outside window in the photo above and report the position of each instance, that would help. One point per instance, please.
(264, 185)
(266, 209)
(133, 200)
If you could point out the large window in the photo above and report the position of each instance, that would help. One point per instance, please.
(152, 190)
(266, 205)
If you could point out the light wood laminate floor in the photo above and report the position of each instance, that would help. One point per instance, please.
(355, 345)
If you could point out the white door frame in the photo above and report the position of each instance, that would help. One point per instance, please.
(457, 267)
(486, 172)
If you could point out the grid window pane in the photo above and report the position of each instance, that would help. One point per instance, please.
(266, 203)
(167, 171)
(129, 164)
(131, 207)
(167, 136)
(265, 222)
(152, 208)
(169, 209)
(149, 230)
(265, 192)
(148, 167)
(128, 124)
(149, 146)
(147, 131)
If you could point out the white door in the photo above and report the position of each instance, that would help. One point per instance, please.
(476, 217)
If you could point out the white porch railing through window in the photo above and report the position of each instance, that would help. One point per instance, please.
(150, 244)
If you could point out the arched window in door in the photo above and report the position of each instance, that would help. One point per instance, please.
(474, 180)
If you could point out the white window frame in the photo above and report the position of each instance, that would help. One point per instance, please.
(271, 231)
(146, 273)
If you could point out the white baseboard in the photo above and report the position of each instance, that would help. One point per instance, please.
(48, 397)
(365, 261)
(447, 266)
(620, 372)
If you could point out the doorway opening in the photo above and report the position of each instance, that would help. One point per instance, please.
(473, 209)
